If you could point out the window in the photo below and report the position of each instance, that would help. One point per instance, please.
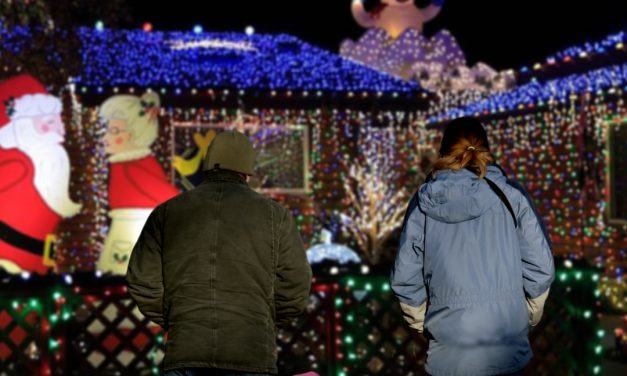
(282, 155)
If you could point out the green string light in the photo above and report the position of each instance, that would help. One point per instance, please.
(53, 344)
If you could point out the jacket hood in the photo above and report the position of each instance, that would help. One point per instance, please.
(456, 196)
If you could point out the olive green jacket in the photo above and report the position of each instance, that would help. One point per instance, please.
(219, 267)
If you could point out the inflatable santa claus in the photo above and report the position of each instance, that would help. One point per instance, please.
(34, 175)
(137, 183)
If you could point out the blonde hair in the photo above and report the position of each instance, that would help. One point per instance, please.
(464, 145)
(132, 109)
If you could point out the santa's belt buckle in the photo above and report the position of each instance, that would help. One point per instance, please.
(48, 245)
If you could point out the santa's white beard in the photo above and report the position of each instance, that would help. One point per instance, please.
(52, 179)
(52, 166)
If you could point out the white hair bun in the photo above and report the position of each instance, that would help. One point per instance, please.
(152, 98)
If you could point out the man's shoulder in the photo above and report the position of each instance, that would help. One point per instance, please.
(272, 204)
(246, 196)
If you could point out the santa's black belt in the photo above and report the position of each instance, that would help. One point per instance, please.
(22, 241)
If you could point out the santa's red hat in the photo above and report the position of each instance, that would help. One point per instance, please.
(12, 89)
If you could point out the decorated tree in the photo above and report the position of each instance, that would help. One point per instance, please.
(391, 163)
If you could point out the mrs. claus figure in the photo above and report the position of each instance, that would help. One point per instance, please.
(137, 182)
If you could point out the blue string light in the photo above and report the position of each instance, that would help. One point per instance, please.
(536, 93)
(611, 42)
(255, 61)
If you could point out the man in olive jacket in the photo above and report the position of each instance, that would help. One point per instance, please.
(220, 267)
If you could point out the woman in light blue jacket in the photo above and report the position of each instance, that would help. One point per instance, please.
(474, 265)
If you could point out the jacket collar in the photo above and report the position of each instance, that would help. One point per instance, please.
(224, 175)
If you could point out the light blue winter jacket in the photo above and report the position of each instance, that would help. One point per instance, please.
(462, 259)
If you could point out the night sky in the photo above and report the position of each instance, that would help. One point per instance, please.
(504, 34)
